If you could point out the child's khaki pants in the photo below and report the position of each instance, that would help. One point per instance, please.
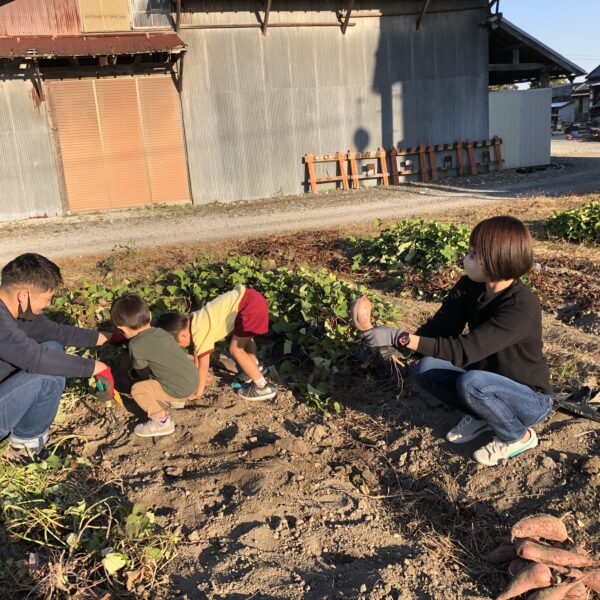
(149, 394)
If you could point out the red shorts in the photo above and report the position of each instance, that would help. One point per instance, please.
(253, 315)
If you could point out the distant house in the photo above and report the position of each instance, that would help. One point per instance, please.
(594, 83)
(563, 105)
(581, 97)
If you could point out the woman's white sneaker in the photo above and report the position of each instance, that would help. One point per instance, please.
(467, 430)
(496, 451)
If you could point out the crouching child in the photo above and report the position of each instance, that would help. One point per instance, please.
(168, 377)
(242, 312)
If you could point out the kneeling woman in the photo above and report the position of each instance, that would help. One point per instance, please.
(495, 373)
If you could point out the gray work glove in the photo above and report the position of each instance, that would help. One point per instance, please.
(387, 341)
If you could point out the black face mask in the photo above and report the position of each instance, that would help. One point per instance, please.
(27, 314)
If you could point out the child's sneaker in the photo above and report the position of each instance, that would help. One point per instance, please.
(253, 392)
(467, 430)
(153, 428)
(243, 378)
(491, 454)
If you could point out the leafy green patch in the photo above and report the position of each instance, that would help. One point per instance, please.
(413, 247)
(310, 325)
(59, 513)
(577, 224)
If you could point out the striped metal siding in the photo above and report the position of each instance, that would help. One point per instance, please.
(148, 14)
(121, 142)
(162, 128)
(253, 105)
(28, 169)
(522, 119)
(200, 12)
(40, 17)
(105, 15)
(75, 116)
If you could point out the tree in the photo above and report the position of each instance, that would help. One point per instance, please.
(503, 88)
(557, 82)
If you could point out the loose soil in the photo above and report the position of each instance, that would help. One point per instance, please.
(278, 501)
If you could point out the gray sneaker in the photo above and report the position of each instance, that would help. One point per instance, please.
(154, 428)
(467, 430)
(243, 378)
(497, 451)
(252, 392)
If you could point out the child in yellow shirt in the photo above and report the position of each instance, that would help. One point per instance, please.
(242, 312)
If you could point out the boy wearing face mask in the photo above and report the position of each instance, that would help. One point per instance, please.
(495, 373)
(33, 364)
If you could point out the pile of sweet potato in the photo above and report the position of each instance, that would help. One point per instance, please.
(541, 557)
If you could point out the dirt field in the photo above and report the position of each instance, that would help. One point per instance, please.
(279, 501)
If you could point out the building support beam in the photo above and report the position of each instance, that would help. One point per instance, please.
(265, 22)
(178, 16)
(349, 8)
(423, 11)
(496, 4)
(180, 73)
(38, 80)
(517, 67)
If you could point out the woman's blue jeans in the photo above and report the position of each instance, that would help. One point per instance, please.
(508, 407)
(28, 405)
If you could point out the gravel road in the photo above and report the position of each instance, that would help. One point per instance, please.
(575, 169)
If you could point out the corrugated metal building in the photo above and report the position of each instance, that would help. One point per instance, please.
(28, 167)
(260, 89)
(91, 115)
(254, 104)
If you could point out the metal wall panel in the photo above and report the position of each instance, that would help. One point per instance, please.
(164, 146)
(146, 14)
(121, 141)
(105, 15)
(75, 116)
(28, 169)
(249, 12)
(522, 119)
(300, 90)
(40, 17)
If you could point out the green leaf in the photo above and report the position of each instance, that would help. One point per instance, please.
(113, 562)
(152, 552)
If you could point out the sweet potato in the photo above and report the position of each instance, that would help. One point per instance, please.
(578, 592)
(533, 577)
(557, 592)
(516, 565)
(539, 527)
(361, 314)
(503, 553)
(552, 556)
(592, 580)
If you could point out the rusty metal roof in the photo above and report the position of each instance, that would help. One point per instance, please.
(89, 45)
(36, 17)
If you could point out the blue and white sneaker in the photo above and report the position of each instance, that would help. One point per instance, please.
(246, 379)
(467, 430)
(497, 451)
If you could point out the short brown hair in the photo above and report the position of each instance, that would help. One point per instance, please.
(173, 322)
(130, 310)
(504, 247)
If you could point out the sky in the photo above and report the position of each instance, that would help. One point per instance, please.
(570, 28)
